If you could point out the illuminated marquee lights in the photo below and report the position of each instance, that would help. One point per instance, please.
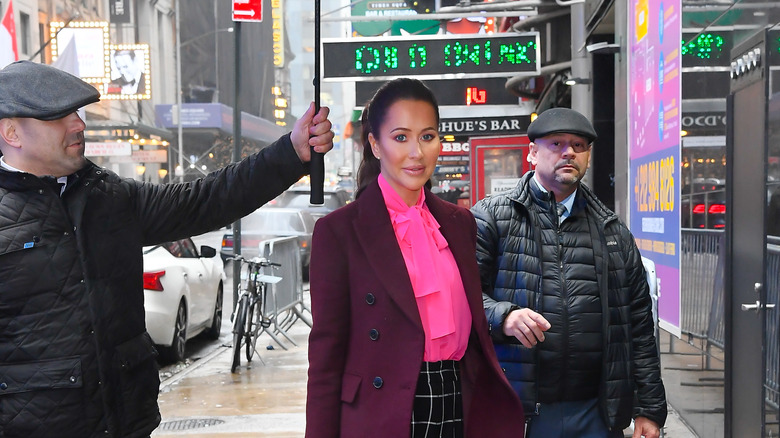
(280, 105)
(92, 39)
(110, 92)
(435, 57)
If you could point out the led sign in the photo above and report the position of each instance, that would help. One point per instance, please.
(706, 49)
(431, 57)
(479, 91)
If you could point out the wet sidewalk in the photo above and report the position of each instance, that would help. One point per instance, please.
(260, 400)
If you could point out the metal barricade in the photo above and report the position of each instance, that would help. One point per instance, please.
(699, 257)
(285, 299)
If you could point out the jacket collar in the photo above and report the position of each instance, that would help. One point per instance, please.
(525, 192)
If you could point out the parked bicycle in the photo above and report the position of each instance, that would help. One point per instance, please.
(250, 318)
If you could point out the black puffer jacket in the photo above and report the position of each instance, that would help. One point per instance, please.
(509, 249)
(75, 358)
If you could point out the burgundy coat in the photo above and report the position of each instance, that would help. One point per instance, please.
(366, 344)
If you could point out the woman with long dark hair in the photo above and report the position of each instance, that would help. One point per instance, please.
(399, 345)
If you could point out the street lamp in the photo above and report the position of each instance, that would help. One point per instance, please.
(191, 40)
(178, 90)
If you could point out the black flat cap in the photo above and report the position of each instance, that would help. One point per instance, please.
(561, 120)
(40, 91)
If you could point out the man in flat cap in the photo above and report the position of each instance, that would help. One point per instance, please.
(75, 358)
(566, 295)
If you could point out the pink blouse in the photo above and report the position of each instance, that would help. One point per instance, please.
(438, 288)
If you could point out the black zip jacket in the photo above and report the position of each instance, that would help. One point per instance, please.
(509, 252)
(75, 358)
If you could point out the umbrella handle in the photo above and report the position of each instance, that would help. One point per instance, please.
(317, 172)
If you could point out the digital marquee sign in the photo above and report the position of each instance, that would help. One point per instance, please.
(430, 56)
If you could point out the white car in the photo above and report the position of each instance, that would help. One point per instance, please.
(182, 295)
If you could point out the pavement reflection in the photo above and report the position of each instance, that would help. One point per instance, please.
(259, 400)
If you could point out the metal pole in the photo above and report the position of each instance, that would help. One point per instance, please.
(216, 53)
(178, 93)
(317, 195)
(581, 94)
(237, 154)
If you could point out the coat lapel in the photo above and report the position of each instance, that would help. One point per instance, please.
(374, 233)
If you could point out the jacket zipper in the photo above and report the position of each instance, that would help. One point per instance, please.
(564, 308)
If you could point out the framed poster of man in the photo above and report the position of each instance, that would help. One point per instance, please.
(130, 73)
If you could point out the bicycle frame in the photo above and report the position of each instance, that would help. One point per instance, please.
(250, 310)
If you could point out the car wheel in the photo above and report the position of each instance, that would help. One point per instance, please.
(216, 321)
(175, 353)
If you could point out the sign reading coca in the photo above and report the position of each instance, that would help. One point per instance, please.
(247, 10)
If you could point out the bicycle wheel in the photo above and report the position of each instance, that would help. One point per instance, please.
(239, 328)
(252, 330)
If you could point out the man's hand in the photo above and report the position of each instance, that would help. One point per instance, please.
(312, 130)
(645, 427)
(527, 326)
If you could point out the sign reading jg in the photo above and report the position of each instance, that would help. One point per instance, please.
(247, 10)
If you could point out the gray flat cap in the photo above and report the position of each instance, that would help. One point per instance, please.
(561, 120)
(40, 91)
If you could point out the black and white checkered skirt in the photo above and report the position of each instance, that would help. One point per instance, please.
(438, 403)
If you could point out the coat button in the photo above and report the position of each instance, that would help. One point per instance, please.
(378, 382)
(373, 334)
(370, 298)
(3, 386)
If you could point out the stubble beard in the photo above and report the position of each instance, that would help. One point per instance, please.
(78, 161)
(567, 178)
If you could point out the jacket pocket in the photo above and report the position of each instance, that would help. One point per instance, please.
(39, 397)
(22, 236)
(46, 374)
(350, 384)
(139, 383)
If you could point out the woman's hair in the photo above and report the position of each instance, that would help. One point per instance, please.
(374, 115)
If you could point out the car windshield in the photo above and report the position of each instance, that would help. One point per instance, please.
(274, 221)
